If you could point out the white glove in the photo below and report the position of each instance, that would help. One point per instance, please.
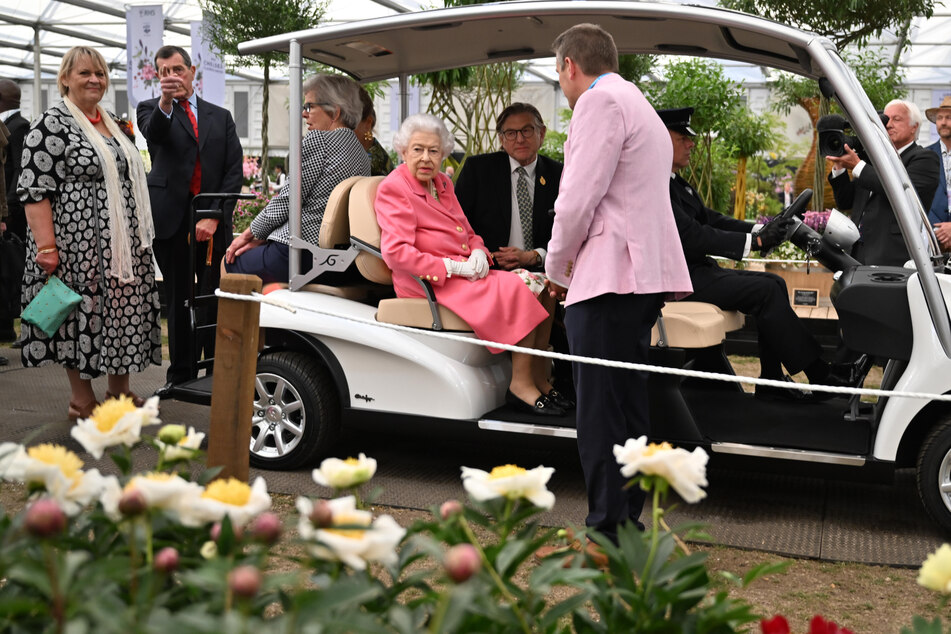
(463, 269)
(480, 263)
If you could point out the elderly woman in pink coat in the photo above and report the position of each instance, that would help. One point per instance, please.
(425, 233)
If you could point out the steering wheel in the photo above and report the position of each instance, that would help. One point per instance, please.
(797, 209)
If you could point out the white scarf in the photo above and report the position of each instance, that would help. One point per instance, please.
(121, 244)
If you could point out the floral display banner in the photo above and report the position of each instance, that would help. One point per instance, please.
(209, 67)
(144, 30)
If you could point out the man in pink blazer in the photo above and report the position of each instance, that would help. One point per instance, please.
(615, 252)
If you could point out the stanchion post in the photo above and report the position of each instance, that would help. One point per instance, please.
(236, 352)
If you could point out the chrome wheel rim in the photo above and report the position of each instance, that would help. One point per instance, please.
(278, 418)
(944, 480)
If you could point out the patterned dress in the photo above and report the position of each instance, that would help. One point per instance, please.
(116, 327)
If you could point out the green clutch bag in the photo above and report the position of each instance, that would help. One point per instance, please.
(51, 306)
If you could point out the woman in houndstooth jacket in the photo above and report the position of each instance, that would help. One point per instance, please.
(331, 153)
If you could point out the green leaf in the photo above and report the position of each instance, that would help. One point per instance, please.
(921, 626)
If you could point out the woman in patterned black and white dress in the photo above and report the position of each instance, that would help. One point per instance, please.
(87, 204)
(330, 154)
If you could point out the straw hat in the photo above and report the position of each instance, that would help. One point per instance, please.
(931, 113)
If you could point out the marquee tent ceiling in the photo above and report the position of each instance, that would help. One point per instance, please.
(100, 23)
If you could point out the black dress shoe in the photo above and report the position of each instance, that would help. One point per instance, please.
(165, 391)
(769, 393)
(4, 361)
(17, 344)
(559, 399)
(542, 407)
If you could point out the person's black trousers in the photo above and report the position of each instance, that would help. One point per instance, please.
(172, 257)
(612, 403)
(781, 334)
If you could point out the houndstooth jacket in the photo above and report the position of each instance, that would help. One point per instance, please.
(328, 157)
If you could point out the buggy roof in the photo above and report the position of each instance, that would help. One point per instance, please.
(426, 41)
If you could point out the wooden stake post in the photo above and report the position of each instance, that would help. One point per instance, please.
(236, 353)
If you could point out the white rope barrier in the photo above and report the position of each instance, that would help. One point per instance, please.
(625, 365)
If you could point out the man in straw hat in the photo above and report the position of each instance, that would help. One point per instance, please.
(938, 214)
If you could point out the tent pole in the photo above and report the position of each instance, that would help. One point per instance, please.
(37, 76)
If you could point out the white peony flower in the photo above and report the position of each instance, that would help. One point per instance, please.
(116, 422)
(345, 474)
(57, 469)
(685, 471)
(935, 572)
(353, 536)
(229, 497)
(163, 491)
(184, 449)
(512, 482)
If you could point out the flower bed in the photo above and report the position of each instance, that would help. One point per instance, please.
(158, 551)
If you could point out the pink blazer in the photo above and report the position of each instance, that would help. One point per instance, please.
(614, 228)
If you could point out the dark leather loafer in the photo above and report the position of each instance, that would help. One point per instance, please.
(165, 391)
(542, 406)
(559, 399)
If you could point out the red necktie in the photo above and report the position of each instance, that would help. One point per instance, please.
(195, 185)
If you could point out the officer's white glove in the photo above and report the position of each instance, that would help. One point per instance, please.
(480, 263)
(463, 269)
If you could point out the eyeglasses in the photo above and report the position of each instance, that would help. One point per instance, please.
(178, 71)
(418, 151)
(528, 132)
(309, 105)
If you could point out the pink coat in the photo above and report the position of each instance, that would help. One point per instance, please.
(614, 228)
(417, 232)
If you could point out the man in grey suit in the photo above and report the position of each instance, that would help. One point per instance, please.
(514, 221)
(880, 240)
(938, 214)
(194, 148)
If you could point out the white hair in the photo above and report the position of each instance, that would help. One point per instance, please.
(423, 122)
(914, 112)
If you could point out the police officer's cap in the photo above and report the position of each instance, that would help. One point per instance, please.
(677, 119)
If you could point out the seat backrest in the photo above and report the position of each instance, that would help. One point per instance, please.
(335, 225)
(363, 226)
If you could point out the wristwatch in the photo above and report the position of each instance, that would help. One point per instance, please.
(538, 259)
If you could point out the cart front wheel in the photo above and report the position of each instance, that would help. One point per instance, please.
(296, 413)
(934, 474)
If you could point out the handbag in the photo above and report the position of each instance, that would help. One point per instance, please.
(51, 306)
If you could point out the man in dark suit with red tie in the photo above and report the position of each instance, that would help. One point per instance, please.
(194, 148)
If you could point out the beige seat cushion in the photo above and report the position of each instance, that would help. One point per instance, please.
(363, 226)
(415, 312)
(733, 319)
(699, 328)
(335, 225)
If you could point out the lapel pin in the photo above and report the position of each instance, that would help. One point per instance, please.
(541, 179)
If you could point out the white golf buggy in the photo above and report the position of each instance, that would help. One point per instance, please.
(336, 358)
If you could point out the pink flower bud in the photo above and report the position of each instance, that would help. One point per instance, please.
(166, 560)
(45, 518)
(450, 508)
(461, 562)
(267, 528)
(132, 503)
(322, 516)
(216, 531)
(244, 581)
